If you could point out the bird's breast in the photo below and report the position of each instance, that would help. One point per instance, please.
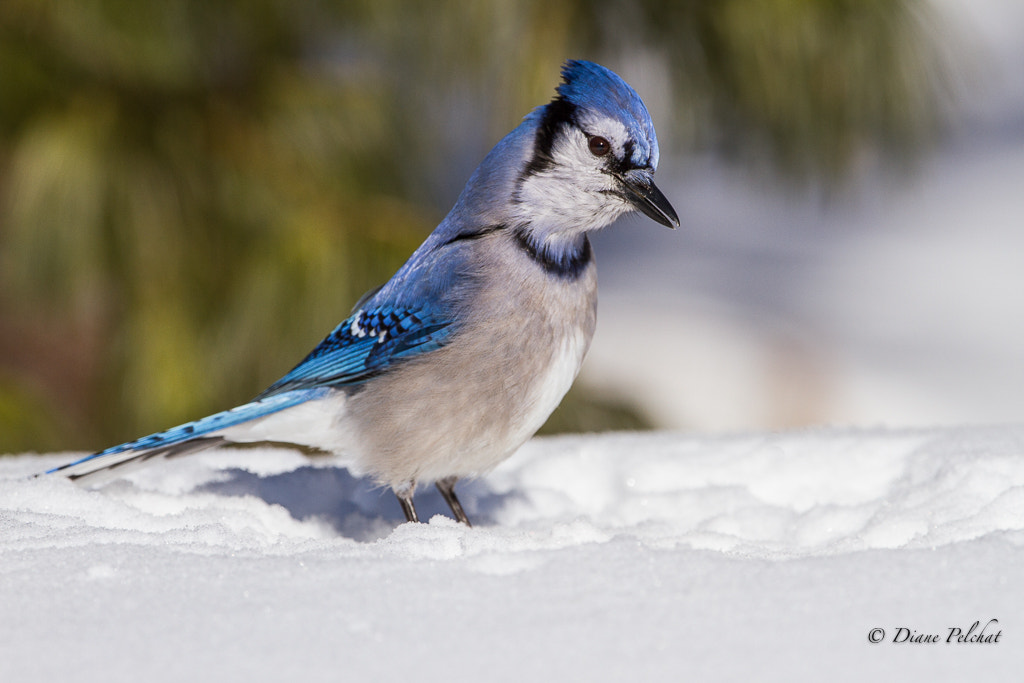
(462, 409)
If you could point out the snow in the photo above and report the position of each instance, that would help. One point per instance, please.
(615, 557)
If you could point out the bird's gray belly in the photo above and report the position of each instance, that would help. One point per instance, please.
(466, 407)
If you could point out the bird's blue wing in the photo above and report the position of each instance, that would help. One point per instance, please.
(367, 343)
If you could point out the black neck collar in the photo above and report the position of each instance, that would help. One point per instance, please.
(568, 264)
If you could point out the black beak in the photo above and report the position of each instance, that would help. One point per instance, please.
(640, 191)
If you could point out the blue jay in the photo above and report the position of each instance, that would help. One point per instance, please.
(456, 361)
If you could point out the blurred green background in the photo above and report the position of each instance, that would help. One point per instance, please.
(193, 193)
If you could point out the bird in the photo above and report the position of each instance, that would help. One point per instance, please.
(449, 367)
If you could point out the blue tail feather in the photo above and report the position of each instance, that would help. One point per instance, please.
(187, 437)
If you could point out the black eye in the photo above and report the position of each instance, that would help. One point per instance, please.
(599, 146)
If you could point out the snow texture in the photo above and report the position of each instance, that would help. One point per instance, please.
(765, 557)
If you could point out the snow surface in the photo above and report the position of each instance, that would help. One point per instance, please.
(659, 556)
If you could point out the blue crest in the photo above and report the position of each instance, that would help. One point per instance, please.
(593, 88)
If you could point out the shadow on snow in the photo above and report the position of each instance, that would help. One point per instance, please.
(355, 507)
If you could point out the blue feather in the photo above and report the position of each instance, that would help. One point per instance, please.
(203, 427)
(367, 343)
(597, 90)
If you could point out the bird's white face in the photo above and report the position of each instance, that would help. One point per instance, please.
(578, 190)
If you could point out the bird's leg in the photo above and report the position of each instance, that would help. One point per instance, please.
(447, 488)
(405, 498)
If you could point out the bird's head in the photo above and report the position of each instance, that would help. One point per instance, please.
(593, 158)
